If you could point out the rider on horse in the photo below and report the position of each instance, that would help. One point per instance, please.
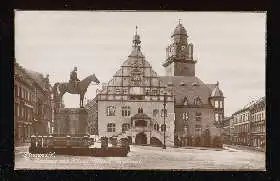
(74, 78)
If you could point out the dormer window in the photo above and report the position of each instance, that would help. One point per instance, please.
(194, 84)
(197, 101)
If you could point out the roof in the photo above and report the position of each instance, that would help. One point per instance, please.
(179, 30)
(217, 92)
(140, 116)
(37, 77)
(188, 89)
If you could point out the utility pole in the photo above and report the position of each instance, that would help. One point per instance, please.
(164, 115)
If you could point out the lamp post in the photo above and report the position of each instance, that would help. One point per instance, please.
(164, 115)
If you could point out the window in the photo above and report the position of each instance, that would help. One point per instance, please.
(186, 116)
(163, 127)
(125, 91)
(111, 111)
(155, 92)
(221, 104)
(197, 101)
(156, 127)
(216, 104)
(125, 127)
(185, 101)
(15, 91)
(198, 116)
(147, 91)
(125, 111)
(163, 112)
(216, 117)
(118, 91)
(111, 127)
(155, 112)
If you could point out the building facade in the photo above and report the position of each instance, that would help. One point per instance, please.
(241, 119)
(199, 107)
(133, 99)
(23, 105)
(258, 124)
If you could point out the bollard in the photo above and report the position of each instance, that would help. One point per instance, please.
(68, 141)
(33, 141)
(44, 141)
(114, 141)
(104, 142)
(86, 141)
(50, 141)
(39, 141)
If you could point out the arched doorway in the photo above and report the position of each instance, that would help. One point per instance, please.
(156, 142)
(207, 138)
(141, 139)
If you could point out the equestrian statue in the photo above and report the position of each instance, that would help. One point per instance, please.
(74, 86)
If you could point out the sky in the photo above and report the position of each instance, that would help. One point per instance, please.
(229, 47)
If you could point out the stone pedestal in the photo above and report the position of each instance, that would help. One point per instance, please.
(71, 121)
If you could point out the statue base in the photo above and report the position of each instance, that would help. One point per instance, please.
(71, 121)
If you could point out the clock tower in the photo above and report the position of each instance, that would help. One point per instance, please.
(179, 55)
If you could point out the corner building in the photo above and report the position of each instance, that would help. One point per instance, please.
(132, 103)
(199, 107)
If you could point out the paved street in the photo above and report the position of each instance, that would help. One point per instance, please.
(146, 157)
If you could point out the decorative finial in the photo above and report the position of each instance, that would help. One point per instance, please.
(217, 83)
(136, 29)
(180, 21)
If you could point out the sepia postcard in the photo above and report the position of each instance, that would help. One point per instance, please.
(139, 90)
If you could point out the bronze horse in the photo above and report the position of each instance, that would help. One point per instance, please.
(81, 89)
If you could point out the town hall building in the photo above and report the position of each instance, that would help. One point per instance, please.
(131, 103)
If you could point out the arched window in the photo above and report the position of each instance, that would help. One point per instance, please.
(125, 111)
(155, 112)
(140, 110)
(111, 127)
(197, 101)
(125, 127)
(156, 127)
(163, 112)
(163, 127)
(111, 110)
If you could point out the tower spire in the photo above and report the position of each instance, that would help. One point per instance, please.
(180, 21)
(136, 30)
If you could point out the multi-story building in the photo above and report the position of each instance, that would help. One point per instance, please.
(133, 99)
(258, 123)
(23, 105)
(241, 126)
(248, 125)
(42, 112)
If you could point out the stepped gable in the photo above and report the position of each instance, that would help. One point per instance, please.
(135, 65)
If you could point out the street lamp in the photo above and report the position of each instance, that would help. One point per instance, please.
(164, 115)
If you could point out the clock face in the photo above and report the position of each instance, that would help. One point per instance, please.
(183, 47)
